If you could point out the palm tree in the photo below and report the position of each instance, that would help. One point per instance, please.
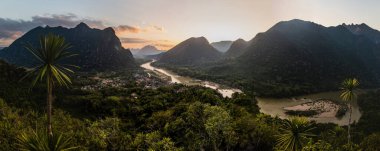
(42, 141)
(348, 94)
(51, 51)
(295, 133)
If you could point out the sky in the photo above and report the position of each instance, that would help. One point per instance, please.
(165, 23)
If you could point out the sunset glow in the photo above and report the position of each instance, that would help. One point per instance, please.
(166, 23)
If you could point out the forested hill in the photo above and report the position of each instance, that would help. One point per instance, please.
(191, 51)
(297, 53)
(96, 49)
(297, 56)
(236, 49)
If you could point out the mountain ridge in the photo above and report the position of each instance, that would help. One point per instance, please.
(96, 49)
(236, 49)
(148, 50)
(195, 50)
(297, 57)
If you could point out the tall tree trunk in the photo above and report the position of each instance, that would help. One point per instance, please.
(49, 107)
(349, 125)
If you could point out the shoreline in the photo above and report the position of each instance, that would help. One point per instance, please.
(175, 78)
(319, 108)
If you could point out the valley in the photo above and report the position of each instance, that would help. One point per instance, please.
(174, 78)
(85, 84)
(271, 106)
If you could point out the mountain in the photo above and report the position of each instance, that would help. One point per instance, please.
(96, 49)
(147, 51)
(364, 30)
(222, 46)
(237, 48)
(191, 51)
(298, 56)
(134, 51)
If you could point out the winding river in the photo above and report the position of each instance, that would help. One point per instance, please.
(271, 106)
(225, 91)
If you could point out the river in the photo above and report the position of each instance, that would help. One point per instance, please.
(274, 107)
(224, 90)
(271, 106)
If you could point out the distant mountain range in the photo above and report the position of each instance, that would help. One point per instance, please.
(222, 46)
(292, 57)
(191, 52)
(96, 49)
(146, 51)
(304, 55)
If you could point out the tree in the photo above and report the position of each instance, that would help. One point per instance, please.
(371, 142)
(51, 51)
(294, 134)
(348, 95)
(219, 127)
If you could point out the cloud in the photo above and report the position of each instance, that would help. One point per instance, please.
(165, 45)
(127, 28)
(140, 42)
(66, 20)
(12, 29)
(133, 40)
(158, 28)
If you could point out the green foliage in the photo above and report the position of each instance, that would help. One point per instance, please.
(371, 142)
(42, 141)
(348, 95)
(103, 132)
(294, 134)
(51, 51)
(320, 145)
(369, 106)
(172, 117)
(218, 125)
(153, 141)
(348, 87)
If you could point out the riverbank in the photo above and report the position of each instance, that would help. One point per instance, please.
(317, 109)
(270, 106)
(175, 78)
(277, 106)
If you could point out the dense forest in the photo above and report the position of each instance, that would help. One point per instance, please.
(92, 115)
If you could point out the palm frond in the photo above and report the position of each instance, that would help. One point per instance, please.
(348, 89)
(52, 49)
(295, 132)
(42, 141)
